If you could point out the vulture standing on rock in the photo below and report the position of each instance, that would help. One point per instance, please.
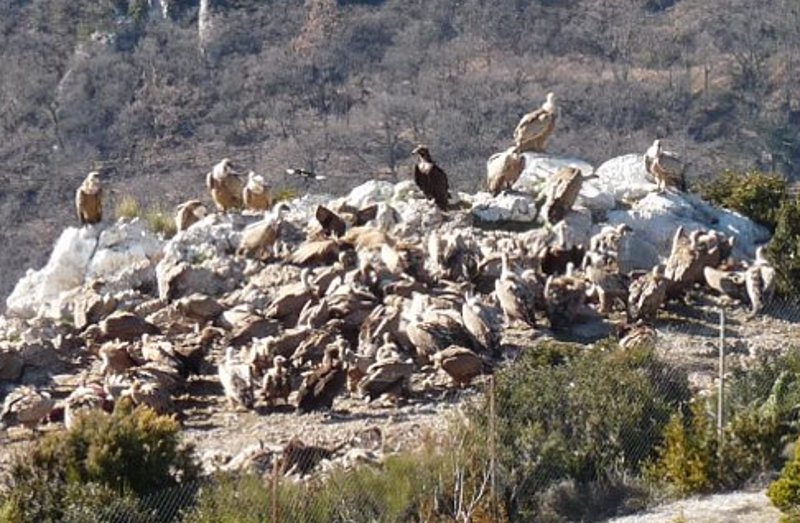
(430, 178)
(460, 363)
(89, 200)
(563, 190)
(333, 223)
(189, 213)
(503, 170)
(277, 384)
(665, 167)
(25, 406)
(256, 194)
(515, 297)
(535, 128)
(647, 294)
(225, 185)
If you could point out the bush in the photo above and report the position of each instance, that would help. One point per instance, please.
(755, 194)
(570, 422)
(111, 459)
(128, 207)
(422, 486)
(285, 194)
(783, 250)
(785, 491)
(760, 406)
(161, 222)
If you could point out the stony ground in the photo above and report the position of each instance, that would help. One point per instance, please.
(688, 338)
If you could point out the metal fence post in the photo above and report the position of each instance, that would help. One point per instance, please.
(492, 448)
(275, 474)
(721, 393)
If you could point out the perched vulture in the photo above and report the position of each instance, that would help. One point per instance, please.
(565, 297)
(89, 199)
(460, 363)
(325, 383)
(727, 283)
(225, 185)
(562, 191)
(337, 224)
(277, 383)
(503, 169)
(237, 381)
(515, 297)
(83, 399)
(189, 213)
(760, 282)
(430, 178)
(602, 270)
(534, 129)
(646, 294)
(25, 406)
(388, 375)
(256, 194)
(665, 167)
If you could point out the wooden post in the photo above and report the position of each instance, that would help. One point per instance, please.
(492, 448)
(721, 393)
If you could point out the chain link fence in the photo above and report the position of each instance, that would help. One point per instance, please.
(562, 433)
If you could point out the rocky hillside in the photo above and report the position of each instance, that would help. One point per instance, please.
(154, 93)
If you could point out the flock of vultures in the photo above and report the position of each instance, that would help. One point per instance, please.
(371, 302)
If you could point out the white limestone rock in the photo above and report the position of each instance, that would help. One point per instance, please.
(624, 178)
(655, 218)
(505, 207)
(37, 293)
(575, 229)
(373, 191)
(539, 168)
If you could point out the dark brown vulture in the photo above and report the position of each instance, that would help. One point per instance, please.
(430, 178)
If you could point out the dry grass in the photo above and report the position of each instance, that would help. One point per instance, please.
(128, 207)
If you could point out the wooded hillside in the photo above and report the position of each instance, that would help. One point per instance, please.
(156, 92)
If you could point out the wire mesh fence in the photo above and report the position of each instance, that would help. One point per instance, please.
(559, 432)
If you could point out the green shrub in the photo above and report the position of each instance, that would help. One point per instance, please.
(591, 419)
(755, 194)
(128, 207)
(161, 222)
(783, 250)
(111, 459)
(785, 491)
(285, 194)
(760, 406)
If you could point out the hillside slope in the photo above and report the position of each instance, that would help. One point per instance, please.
(154, 97)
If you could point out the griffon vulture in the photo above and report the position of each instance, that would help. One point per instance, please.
(534, 129)
(89, 199)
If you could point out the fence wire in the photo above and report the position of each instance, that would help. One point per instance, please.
(561, 431)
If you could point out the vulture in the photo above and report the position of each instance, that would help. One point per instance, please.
(646, 294)
(515, 297)
(388, 375)
(323, 384)
(259, 240)
(602, 270)
(460, 363)
(562, 192)
(189, 213)
(150, 394)
(256, 194)
(337, 224)
(503, 169)
(85, 398)
(237, 380)
(476, 321)
(565, 297)
(430, 178)
(686, 260)
(225, 185)
(25, 406)
(89, 200)
(277, 383)
(636, 336)
(290, 299)
(727, 283)
(760, 282)
(665, 167)
(305, 174)
(534, 129)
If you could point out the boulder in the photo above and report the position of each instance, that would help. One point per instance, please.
(373, 191)
(38, 292)
(624, 178)
(575, 229)
(90, 307)
(505, 207)
(655, 218)
(184, 279)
